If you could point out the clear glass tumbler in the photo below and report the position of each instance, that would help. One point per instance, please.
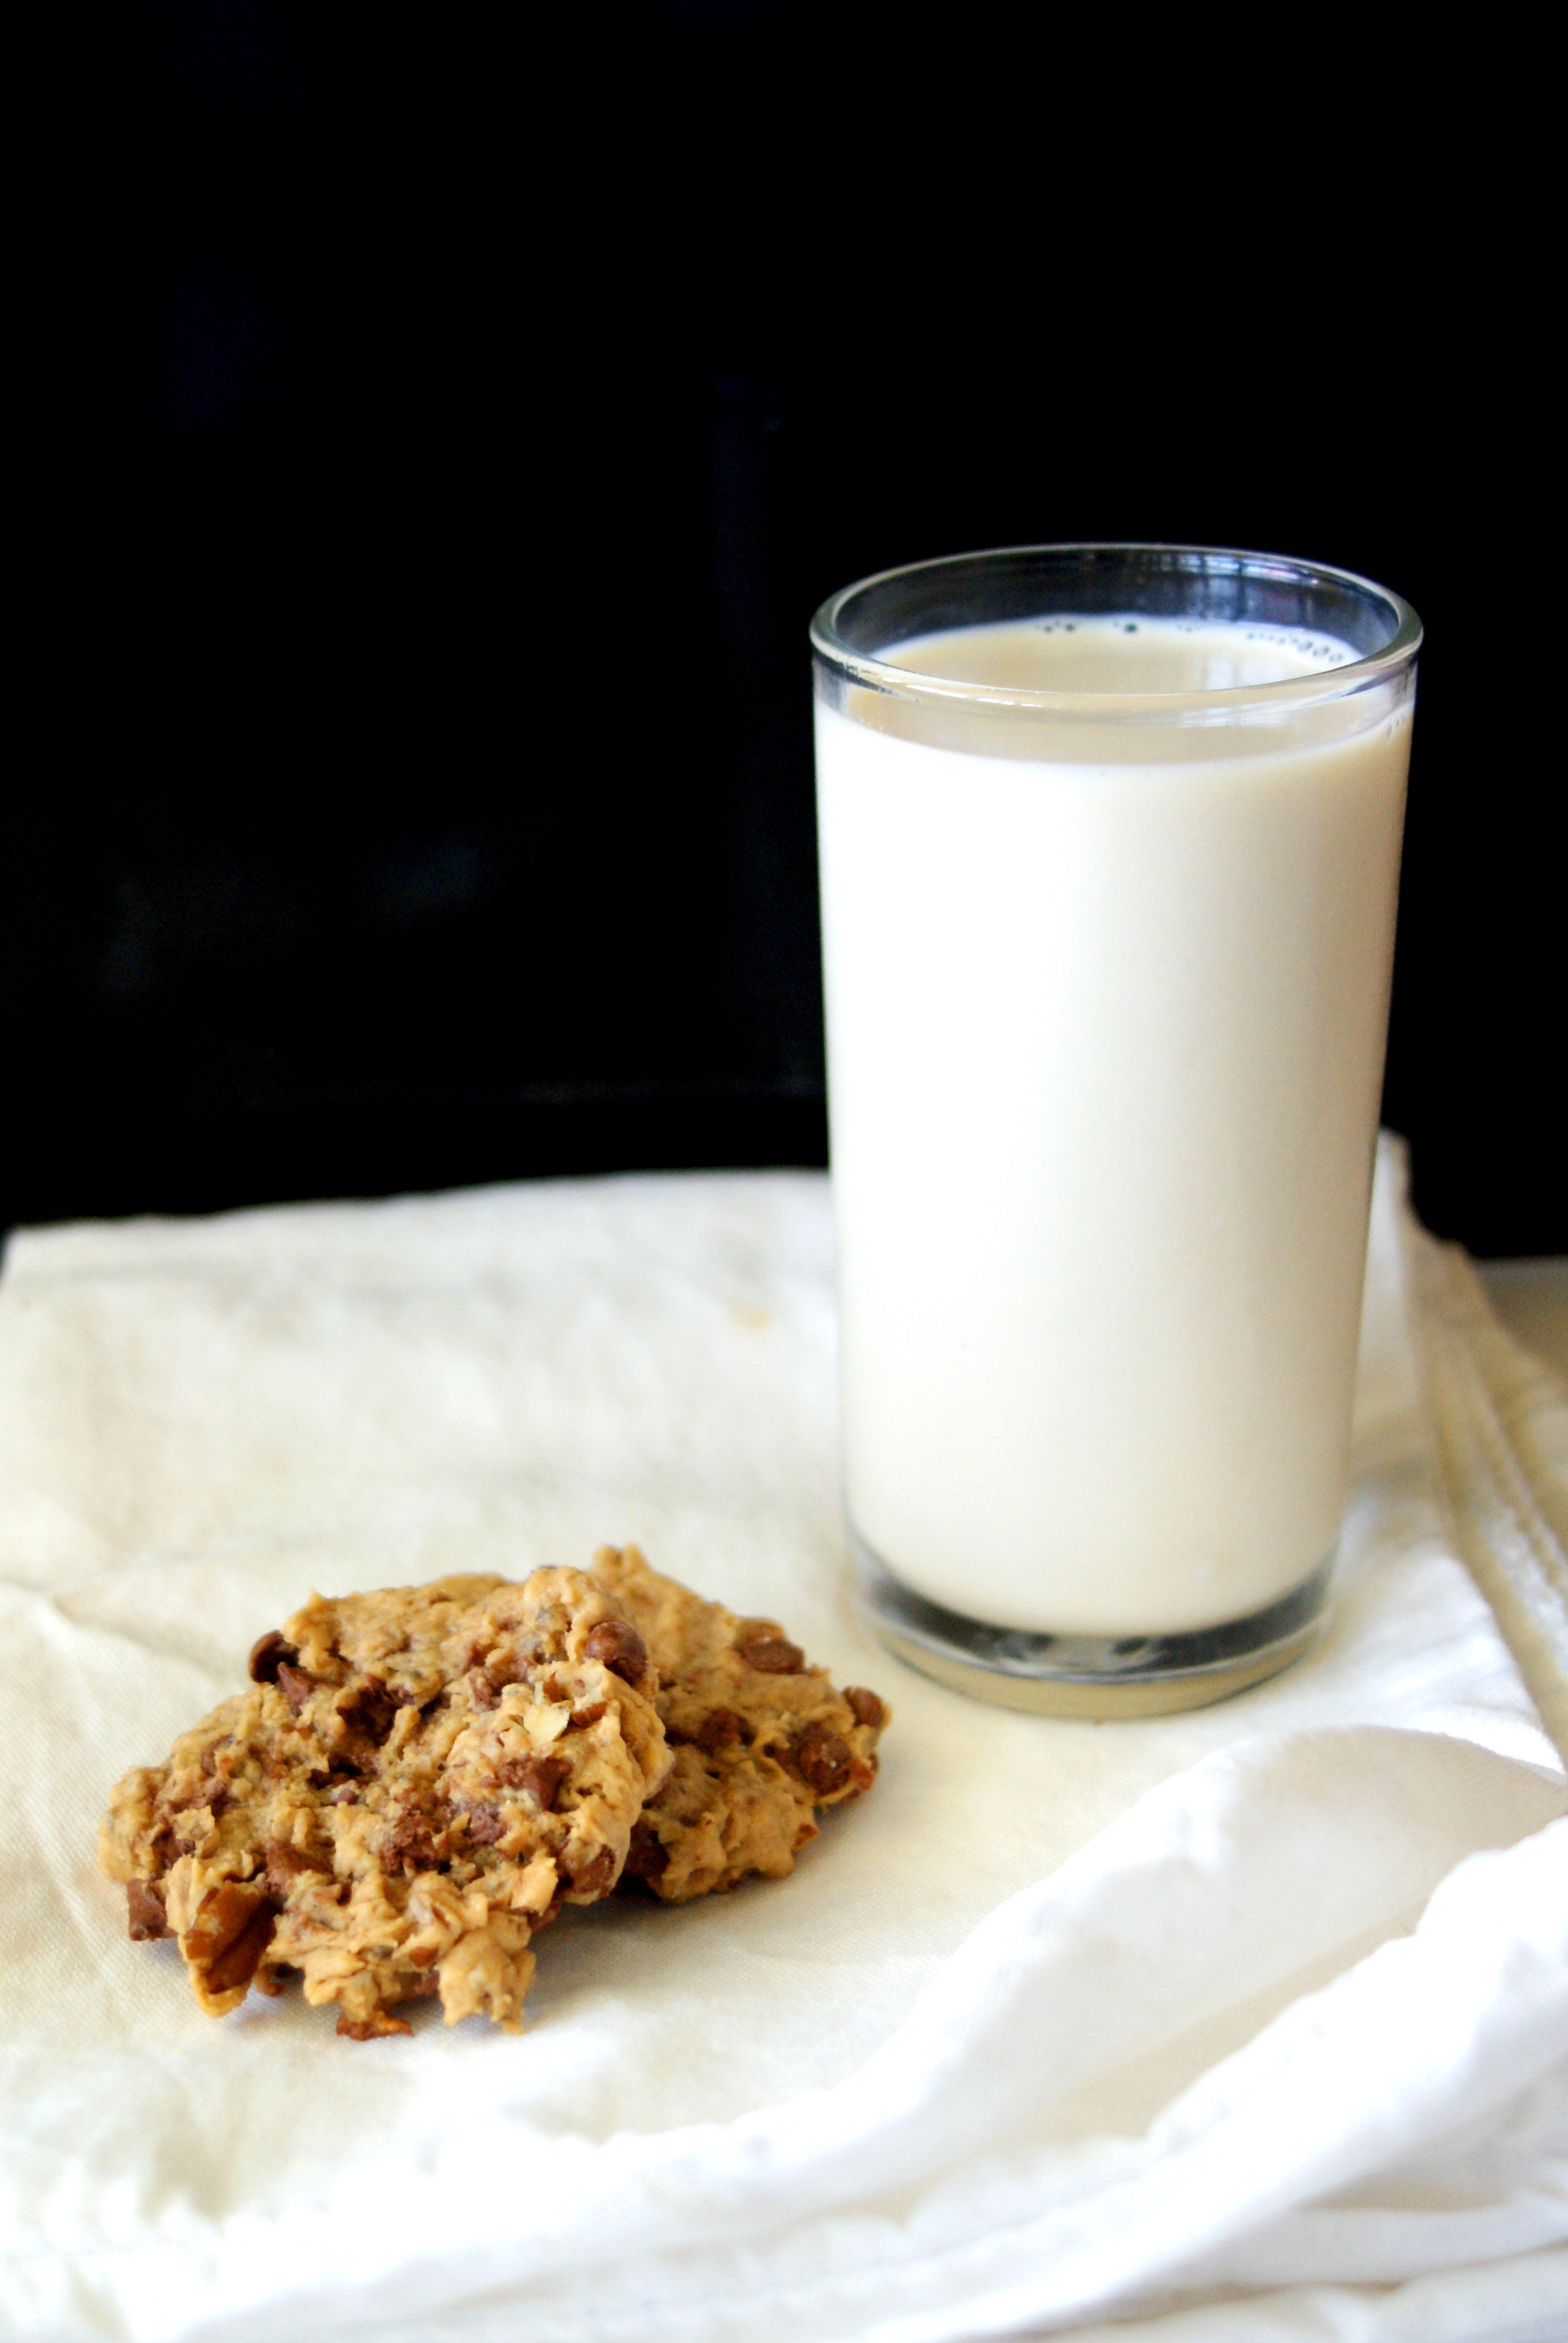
(1110, 854)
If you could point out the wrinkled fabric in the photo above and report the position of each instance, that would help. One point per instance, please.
(1249, 2024)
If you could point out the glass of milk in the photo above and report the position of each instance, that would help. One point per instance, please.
(1109, 852)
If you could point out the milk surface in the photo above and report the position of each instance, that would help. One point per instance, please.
(1106, 1014)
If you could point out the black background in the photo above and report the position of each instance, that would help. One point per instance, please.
(451, 424)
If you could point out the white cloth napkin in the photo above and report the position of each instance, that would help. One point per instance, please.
(1246, 2025)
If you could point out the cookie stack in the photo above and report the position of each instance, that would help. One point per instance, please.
(419, 1778)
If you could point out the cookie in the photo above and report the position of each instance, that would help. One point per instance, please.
(417, 1781)
(760, 1740)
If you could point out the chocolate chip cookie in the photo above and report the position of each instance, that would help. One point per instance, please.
(760, 1739)
(417, 1781)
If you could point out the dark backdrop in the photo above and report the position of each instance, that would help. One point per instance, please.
(455, 431)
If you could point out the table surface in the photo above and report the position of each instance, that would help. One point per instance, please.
(1530, 1297)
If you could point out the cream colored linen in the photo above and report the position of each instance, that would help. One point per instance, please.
(1063, 2021)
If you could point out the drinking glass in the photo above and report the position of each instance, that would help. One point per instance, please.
(1107, 911)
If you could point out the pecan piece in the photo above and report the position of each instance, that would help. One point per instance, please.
(370, 2029)
(231, 1930)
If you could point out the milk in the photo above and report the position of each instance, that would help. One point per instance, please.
(1106, 1012)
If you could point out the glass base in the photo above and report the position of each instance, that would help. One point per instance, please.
(1087, 1676)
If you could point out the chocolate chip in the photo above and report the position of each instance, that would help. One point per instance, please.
(411, 1845)
(219, 1797)
(345, 1794)
(285, 1864)
(592, 1875)
(371, 1714)
(293, 1684)
(145, 1911)
(417, 1852)
(418, 1836)
(821, 1758)
(497, 1665)
(582, 1718)
(618, 1647)
(267, 1654)
(766, 1649)
(869, 1709)
(485, 1826)
(721, 1729)
(542, 1776)
(647, 1857)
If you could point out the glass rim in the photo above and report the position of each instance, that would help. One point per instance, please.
(1356, 675)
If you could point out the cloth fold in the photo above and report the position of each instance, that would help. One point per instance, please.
(1501, 1420)
(1246, 2024)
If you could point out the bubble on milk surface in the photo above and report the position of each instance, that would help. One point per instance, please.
(1326, 650)
(1302, 643)
(1125, 651)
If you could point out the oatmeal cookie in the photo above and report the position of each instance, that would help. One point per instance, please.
(417, 1781)
(760, 1739)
